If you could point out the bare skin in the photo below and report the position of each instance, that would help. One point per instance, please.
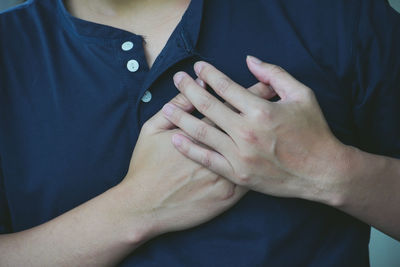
(284, 148)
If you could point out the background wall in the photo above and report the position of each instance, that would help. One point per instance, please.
(385, 251)
(8, 3)
(395, 4)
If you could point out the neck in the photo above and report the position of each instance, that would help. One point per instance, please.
(152, 19)
(124, 8)
(145, 14)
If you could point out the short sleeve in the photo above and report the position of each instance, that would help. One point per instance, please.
(5, 222)
(377, 87)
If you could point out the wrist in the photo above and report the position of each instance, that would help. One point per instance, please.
(137, 225)
(340, 181)
(356, 178)
(333, 183)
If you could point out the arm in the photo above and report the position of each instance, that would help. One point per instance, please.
(373, 181)
(107, 228)
(100, 232)
(369, 190)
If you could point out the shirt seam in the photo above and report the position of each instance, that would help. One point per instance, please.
(353, 53)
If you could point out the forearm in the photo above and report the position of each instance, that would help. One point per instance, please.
(98, 233)
(367, 187)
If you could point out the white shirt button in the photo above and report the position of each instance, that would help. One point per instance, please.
(127, 46)
(147, 97)
(132, 65)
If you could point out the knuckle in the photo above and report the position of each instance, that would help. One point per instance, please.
(277, 70)
(277, 73)
(206, 103)
(176, 117)
(226, 189)
(263, 113)
(183, 147)
(249, 135)
(201, 132)
(243, 179)
(206, 160)
(181, 101)
(249, 160)
(229, 191)
(223, 84)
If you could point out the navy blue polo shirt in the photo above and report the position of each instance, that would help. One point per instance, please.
(74, 95)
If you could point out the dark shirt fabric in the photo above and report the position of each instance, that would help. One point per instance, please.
(71, 112)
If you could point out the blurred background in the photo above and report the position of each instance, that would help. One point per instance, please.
(384, 251)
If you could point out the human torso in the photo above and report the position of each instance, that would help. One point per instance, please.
(71, 112)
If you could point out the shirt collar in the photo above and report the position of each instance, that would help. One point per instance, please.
(188, 28)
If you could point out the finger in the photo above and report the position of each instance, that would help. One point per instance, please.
(204, 86)
(205, 102)
(198, 129)
(262, 90)
(159, 122)
(230, 91)
(285, 85)
(208, 158)
(240, 191)
(201, 83)
(259, 89)
(207, 120)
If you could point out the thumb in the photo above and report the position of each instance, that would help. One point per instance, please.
(159, 122)
(284, 84)
(262, 90)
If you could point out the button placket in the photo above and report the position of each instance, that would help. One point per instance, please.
(133, 66)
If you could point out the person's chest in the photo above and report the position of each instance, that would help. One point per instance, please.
(73, 112)
(74, 96)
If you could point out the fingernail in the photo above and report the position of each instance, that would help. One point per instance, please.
(177, 140)
(178, 78)
(254, 60)
(168, 109)
(198, 67)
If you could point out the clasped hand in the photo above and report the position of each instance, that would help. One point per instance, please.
(282, 148)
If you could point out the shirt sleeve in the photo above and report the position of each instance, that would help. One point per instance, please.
(376, 89)
(5, 222)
